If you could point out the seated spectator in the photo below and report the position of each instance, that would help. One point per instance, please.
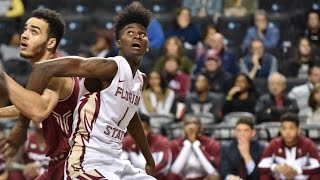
(240, 158)
(239, 8)
(157, 97)
(313, 27)
(204, 8)
(195, 156)
(304, 58)
(258, 63)
(159, 146)
(313, 116)
(11, 50)
(184, 29)
(12, 8)
(203, 101)
(272, 105)
(155, 34)
(268, 34)
(241, 97)
(175, 79)
(156, 40)
(34, 159)
(228, 58)
(219, 79)
(3, 171)
(173, 47)
(290, 156)
(207, 37)
(302, 92)
(103, 45)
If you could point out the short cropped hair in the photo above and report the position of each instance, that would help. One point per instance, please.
(247, 121)
(55, 21)
(133, 13)
(290, 117)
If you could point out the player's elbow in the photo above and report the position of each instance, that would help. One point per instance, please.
(38, 116)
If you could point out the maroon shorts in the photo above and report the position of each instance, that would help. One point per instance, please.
(55, 171)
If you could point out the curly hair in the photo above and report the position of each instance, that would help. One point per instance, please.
(133, 13)
(55, 21)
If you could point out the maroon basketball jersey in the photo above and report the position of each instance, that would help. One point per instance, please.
(58, 126)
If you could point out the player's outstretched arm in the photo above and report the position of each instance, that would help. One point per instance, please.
(136, 131)
(75, 66)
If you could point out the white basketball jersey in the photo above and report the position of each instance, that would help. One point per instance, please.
(101, 118)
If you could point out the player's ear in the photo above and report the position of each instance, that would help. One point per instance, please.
(118, 44)
(51, 44)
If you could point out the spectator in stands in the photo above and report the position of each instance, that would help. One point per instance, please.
(202, 101)
(104, 44)
(276, 102)
(155, 35)
(207, 37)
(304, 57)
(175, 79)
(290, 156)
(12, 8)
(159, 146)
(157, 97)
(314, 103)
(228, 58)
(11, 50)
(258, 63)
(302, 92)
(34, 159)
(195, 156)
(313, 27)
(3, 171)
(184, 29)
(240, 158)
(239, 8)
(241, 97)
(220, 80)
(268, 34)
(173, 47)
(204, 8)
(156, 40)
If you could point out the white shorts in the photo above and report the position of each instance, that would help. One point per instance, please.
(107, 167)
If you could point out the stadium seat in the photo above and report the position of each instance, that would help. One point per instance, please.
(283, 23)
(78, 7)
(232, 117)
(160, 121)
(310, 5)
(234, 28)
(277, 6)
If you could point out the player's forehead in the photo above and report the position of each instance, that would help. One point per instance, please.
(37, 23)
(136, 26)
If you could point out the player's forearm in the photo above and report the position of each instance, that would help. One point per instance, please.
(9, 112)
(74, 66)
(136, 131)
(25, 101)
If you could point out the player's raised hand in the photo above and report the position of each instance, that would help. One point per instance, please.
(150, 169)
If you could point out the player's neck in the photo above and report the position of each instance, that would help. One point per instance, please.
(42, 57)
(133, 62)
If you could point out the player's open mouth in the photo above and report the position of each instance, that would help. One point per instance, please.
(136, 46)
(23, 45)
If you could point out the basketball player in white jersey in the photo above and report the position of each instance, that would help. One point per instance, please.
(108, 102)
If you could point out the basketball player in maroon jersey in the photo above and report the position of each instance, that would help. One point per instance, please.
(54, 107)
